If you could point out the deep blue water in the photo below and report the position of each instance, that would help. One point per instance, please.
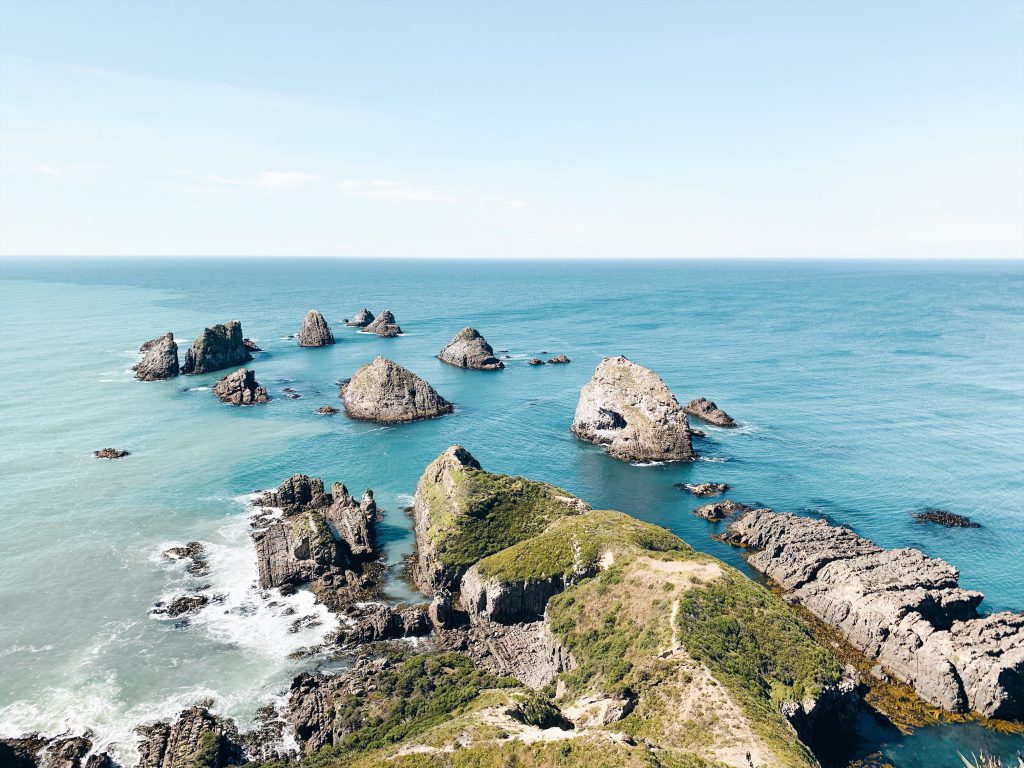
(864, 392)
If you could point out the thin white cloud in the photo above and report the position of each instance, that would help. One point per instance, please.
(385, 189)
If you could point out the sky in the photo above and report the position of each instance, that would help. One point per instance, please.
(527, 129)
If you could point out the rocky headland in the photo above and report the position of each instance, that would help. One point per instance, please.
(241, 388)
(898, 607)
(385, 392)
(315, 331)
(629, 410)
(159, 359)
(362, 319)
(383, 325)
(468, 349)
(705, 410)
(217, 348)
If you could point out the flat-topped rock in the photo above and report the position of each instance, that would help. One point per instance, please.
(470, 350)
(383, 325)
(362, 319)
(385, 392)
(159, 359)
(629, 410)
(216, 348)
(900, 607)
(315, 331)
(241, 388)
(705, 410)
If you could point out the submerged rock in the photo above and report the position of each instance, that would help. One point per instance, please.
(629, 410)
(385, 392)
(159, 359)
(719, 510)
(362, 319)
(703, 489)
(383, 325)
(110, 453)
(241, 388)
(218, 347)
(899, 607)
(470, 350)
(315, 331)
(942, 517)
(559, 360)
(705, 410)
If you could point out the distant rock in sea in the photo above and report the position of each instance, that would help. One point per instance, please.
(241, 388)
(159, 359)
(942, 517)
(218, 347)
(362, 319)
(470, 350)
(703, 489)
(384, 325)
(705, 410)
(315, 331)
(629, 410)
(385, 392)
(110, 453)
(559, 360)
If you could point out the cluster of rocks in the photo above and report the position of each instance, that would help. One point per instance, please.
(385, 392)
(899, 607)
(315, 331)
(468, 349)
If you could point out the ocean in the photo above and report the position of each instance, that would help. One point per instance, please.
(864, 391)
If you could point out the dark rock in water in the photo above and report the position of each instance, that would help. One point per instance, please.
(705, 410)
(315, 331)
(110, 453)
(559, 360)
(470, 350)
(250, 345)
(942, 517)
(327, 410)
(382, 622)
(899, 607)
(240, 388)
(385, 392)
(719, 510)
(535, 361)
(218, 347)
(196, 738)
(362, 319)
(159, 359)
(384, 325)
(629, 410)
(703, 489)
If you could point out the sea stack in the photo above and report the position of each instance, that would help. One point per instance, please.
(384, 325)
(362, 319)
(629, 410)
(315, 331)
(240, 388)
(385, 392)
(159, 359)
(218, 347)
(705, 410)
(470, 350)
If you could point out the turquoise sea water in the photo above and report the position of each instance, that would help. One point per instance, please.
(864, 392)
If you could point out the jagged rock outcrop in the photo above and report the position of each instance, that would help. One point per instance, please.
(159, 359)
(629, 410)
(110, 453)
(315, 331)
(719, 510)
(703, 489)
(216, 348)
(705, 410)
(385, 392)
(900, 607)
(241, 388)
(383, 325)
(470, 350)
(362, 319)
(197, 737)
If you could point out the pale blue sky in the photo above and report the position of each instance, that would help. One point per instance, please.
(769, 129)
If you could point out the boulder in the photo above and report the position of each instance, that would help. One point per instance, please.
(705, 410)
(362, 319)
(159, 359)
(196, 738)
(470, 350)
(559, 360)
(110, 453)
(240, 388)
(703, 489)
(899, 607)
(315, 331)
(629, 410)
(216, 348)
(719, 510)
(383, 325)
(385, 392)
